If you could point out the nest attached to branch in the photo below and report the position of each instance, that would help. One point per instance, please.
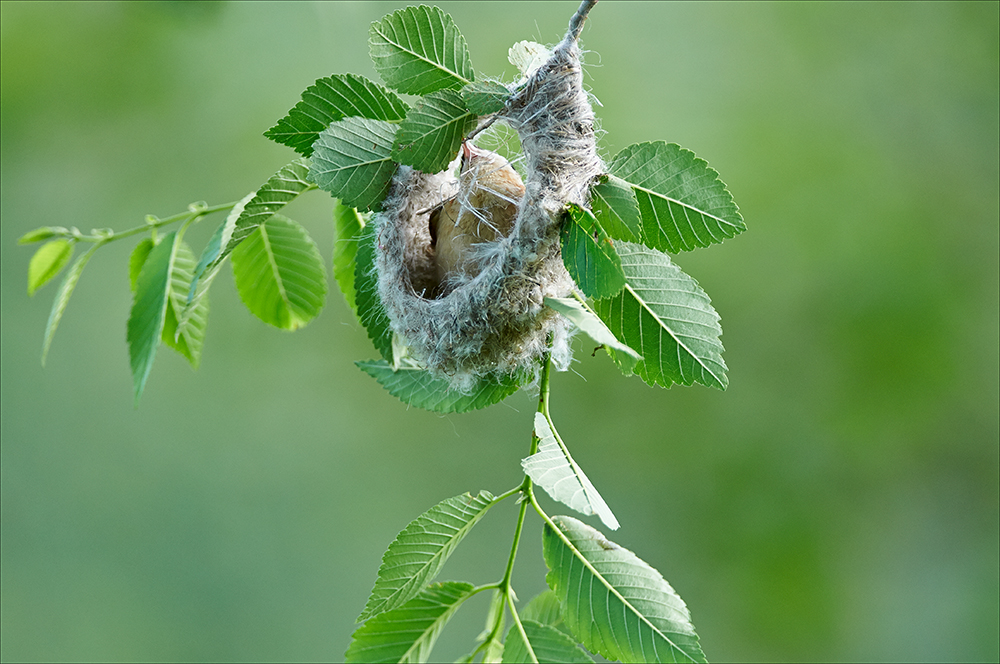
(494, 324)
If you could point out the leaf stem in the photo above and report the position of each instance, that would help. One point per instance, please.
(194, 212)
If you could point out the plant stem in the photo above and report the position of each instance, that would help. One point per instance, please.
(106, 235)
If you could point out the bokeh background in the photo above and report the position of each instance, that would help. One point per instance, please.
(838, 502)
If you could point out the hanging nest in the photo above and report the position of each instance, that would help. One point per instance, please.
(494, 324)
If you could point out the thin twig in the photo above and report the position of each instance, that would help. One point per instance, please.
(576, 23)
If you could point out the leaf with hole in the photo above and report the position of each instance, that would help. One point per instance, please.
(544, 644)
(664, 314)
(421, 549)
(429, 138)
(683, 202)
(417, 50)
(62, 297)
(279, 274)
(352, 159)
(330, 99)
(553, 468)
(47, 262)
(417, 387)
(614, 603)
(589, 255)
(408, 634)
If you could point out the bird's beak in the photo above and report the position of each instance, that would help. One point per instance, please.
(466, 155)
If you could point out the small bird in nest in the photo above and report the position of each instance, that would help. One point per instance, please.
(484, 210)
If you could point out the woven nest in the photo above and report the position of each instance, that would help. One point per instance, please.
(494, 324)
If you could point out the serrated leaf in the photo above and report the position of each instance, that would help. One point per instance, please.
(614, 204)
(352, 159)
(429, 138)
(665, 314)
(137, 259)
(485, 97)
(545, 644)
(418, 50)
(588, 322)
(421, 549)
(683, 202)
(189, 338)
(47, 262)
(589, 255)
(330, 99)
(62, 297)
(43, 233)
(543, 608)
(149, 310)
(348, 224)
(419, 388)
(553, 468)
(616, 604)
(203, 275)
(369, 305)
(279, 274)
(408, 634)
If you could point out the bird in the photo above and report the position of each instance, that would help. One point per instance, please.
(483, 210)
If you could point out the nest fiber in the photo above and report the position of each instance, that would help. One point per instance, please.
(495, 324)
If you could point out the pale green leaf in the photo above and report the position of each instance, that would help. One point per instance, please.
(419, 388)
(352, 159)
(279, 274)
(543, 608)
(528, 57)
(62, 297)
(614, 603)
(683, 202)
(664, 314)
(614, 204)
(330, 99)
(408, 634)
(588, 322)
(149, 310)
(485, 97)
(43, 233)
(429, 138)
(203, 276)
(137, 259)
(189, 338)
(369, 305)
(421, 549)
(553, 468)
(545, 644)
(348, 224)
(47, 262)
(589, 255)
(418, 50)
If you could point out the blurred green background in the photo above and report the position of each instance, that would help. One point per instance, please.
(838, 502)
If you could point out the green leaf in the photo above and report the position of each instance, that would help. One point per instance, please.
(665, 314)
(279, 274)
(348, 225)
(137, 259)
(485, 97)
(407, 634)
(149, 310)
(547, 644)
(63, 295)
(47, 262)
(330, 99)
(352, 159)
(189, 338)
(683, 202)
(429, 138)
(369, 306)
(585, 319)
(553, 468)
(543, 608)
(418, 50)
(419, 388)
(203, 276)
(43, 233)
(421, 549)
(589, 255)
(614, 204)
(616, 604)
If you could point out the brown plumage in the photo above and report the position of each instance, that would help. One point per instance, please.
(484, 210)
